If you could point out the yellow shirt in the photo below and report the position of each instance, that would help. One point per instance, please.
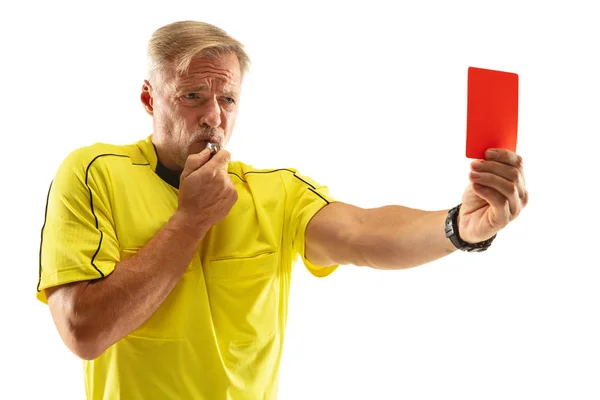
(219, 334)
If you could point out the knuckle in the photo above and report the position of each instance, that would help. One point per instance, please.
(224, 177)
(525, 198)
(506, 205)
(514, 190)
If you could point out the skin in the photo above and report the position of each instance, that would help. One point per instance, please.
(191, 108)
(397, 237)
(90, 316)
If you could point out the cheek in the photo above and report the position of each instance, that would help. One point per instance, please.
(164, 120)
(179, 119)
(185, 117)
(228, 119)
(191, 119)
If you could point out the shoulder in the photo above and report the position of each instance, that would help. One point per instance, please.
(84, 158)
(250, 174)
(93, 163)
(90, 154)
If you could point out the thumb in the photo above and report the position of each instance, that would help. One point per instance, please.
(220, 161)
(195, 161)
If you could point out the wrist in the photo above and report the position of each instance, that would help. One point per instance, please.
(453, 234)
(188, 227)
(460, 236)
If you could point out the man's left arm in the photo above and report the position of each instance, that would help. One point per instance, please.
(397, 237)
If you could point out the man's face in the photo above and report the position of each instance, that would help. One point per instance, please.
(193, 108)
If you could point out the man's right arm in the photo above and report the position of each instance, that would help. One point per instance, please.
(92, 315)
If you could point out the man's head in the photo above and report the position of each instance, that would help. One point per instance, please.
(195, 73)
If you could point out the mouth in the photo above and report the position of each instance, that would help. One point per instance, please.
(213, 143)
(210, 139)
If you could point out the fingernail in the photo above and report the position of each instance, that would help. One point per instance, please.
(477, 165)
(491, 154)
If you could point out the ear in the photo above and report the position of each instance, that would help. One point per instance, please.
(146, 98)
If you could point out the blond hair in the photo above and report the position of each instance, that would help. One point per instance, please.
(175, 45)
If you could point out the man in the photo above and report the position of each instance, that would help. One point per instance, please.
(167, 269)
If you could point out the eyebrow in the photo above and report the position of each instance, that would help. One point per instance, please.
(193, 89)
(230, 93)
(226, 92)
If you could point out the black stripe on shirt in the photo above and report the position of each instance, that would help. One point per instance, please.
(87, 170)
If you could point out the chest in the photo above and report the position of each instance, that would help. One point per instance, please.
(143, 203)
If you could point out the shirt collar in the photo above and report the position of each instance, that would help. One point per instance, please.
(149, 150)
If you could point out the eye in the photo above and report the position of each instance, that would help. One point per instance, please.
(190, 96)
(229, 100)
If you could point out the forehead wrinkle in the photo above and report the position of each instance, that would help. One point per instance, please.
(207, 73)
(202, 81)
(207, 86)
(204, 71)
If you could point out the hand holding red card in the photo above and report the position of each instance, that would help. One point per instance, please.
(492, 111)
(496, 193)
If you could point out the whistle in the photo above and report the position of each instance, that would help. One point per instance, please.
(213, 147)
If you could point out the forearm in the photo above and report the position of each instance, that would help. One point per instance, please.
(108, 309)
(396, 237)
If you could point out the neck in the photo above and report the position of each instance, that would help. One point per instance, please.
(166, 161)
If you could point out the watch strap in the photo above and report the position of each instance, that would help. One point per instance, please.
(453, 235)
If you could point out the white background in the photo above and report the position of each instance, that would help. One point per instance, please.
(370, 99)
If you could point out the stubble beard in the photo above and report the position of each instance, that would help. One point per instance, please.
(180, 142)
(172, 138)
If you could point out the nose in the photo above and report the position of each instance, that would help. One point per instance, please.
(211, 115)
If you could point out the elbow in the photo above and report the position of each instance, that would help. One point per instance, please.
(80, 334)
(88, 354)
(85, 350)
(78, 325)
(83, 341)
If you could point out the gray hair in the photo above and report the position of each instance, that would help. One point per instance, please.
(175, 45)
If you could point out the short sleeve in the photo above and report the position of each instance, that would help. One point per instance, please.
(305, 199)
(78, 240)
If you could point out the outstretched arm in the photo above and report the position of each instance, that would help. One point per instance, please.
(390, 237)
(396, 237)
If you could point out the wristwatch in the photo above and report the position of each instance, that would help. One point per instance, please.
(452, 234)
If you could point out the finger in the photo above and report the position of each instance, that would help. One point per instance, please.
(220, 161)
(503, 156)
(508, 172)
(195, 161)
(508, 189)
(492, 196)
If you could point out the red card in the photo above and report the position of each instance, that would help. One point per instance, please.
(492, 111)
